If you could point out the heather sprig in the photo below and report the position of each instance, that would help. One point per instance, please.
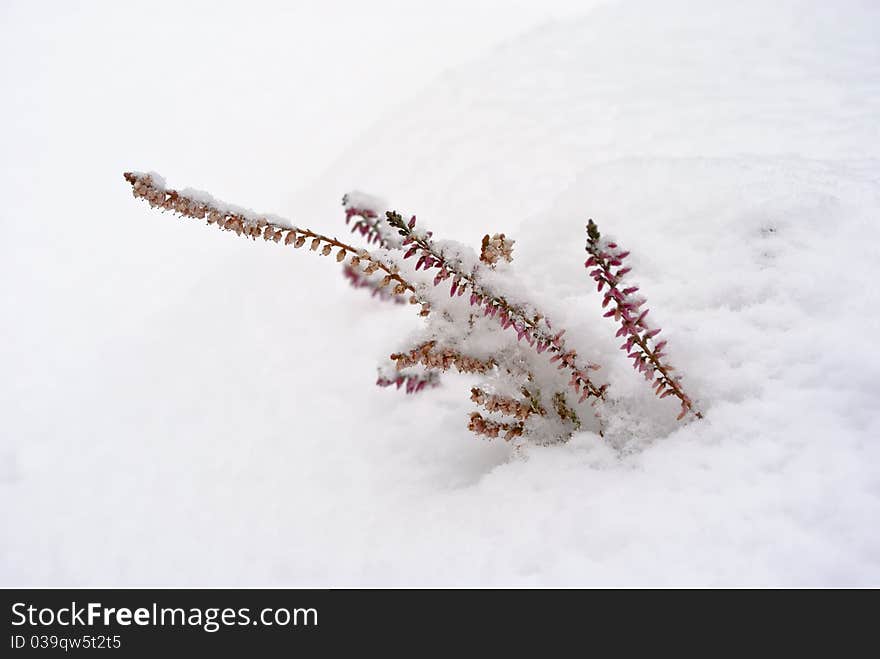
(482, 426)
(520, 409)
(648, 354)
(468, 277)
(244, 223)
(442, 359)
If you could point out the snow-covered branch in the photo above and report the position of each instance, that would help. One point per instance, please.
(201, 206)
(470, 275)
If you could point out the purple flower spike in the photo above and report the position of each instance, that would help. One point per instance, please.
(646, 360)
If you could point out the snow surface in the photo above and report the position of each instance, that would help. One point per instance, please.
(230, 433)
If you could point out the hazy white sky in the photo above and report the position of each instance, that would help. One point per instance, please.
(250, 98)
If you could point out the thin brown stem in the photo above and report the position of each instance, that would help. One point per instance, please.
(157, 196)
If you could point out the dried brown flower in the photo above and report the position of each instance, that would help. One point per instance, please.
(497, 248)
(518, 409)
(441, 359)
(482, 426)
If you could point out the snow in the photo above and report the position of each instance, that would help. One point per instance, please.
(189, 408)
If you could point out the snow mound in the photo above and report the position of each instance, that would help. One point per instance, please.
(778, 485)
(495, 142)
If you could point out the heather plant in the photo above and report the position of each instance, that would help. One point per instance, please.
(479, 319)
